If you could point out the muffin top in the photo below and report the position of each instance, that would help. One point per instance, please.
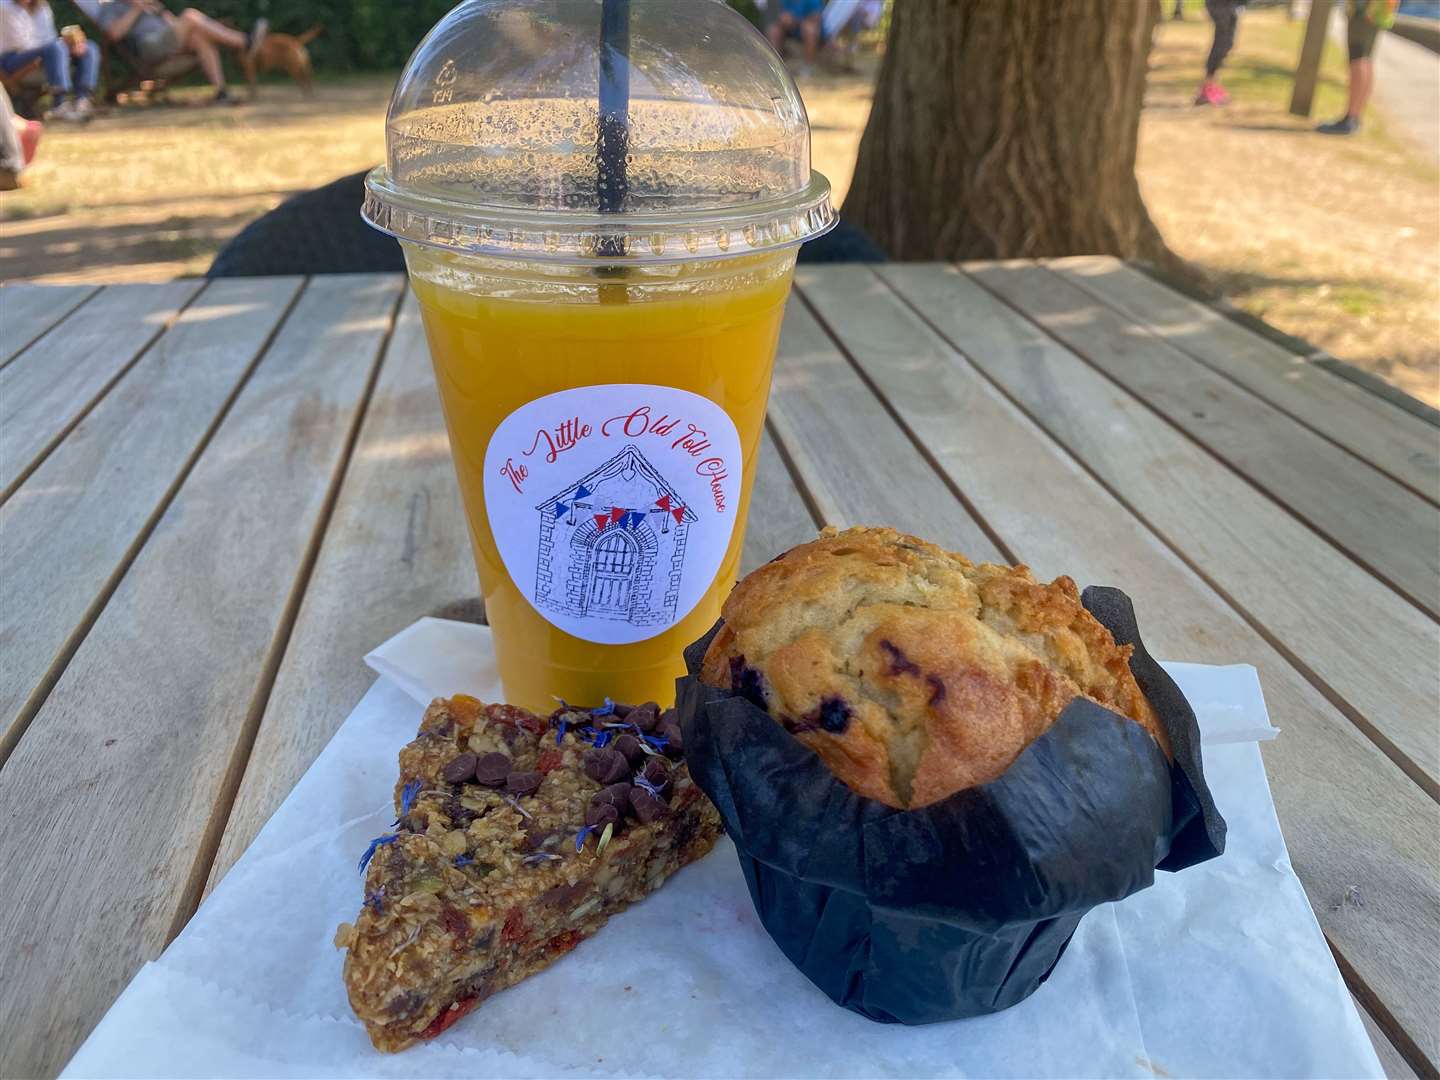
(913, 672)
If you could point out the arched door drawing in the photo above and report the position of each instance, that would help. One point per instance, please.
(613, 560)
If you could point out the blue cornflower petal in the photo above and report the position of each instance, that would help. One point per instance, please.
(581, 835)
(560, 731)
(463, 860)
(608, 709)
(407, 796)
(375, 845)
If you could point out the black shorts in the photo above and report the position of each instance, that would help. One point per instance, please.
(1360, 34)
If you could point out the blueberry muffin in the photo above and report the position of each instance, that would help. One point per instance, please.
(911, 671)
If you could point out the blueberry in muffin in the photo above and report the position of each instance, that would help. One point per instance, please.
(911, 671)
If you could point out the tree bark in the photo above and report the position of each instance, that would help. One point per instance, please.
(1007, 128)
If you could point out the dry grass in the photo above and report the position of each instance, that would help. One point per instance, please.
(146, 193)
(1336, 241)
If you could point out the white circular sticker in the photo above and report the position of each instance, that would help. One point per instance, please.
(613, 506)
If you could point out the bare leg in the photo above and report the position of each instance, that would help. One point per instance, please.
(1362, 79)
(810, 35)
(209, 57)
(778, 28)
(216, 32)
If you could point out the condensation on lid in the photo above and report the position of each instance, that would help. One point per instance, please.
(494, 129)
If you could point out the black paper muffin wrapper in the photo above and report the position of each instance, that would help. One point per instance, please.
(965, 906)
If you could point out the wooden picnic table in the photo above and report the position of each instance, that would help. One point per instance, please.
(216, 497)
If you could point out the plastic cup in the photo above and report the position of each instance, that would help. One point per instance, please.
(600, 204)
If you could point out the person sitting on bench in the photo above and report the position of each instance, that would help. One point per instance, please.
(156, 34)
(72, 68)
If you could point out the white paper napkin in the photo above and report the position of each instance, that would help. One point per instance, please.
(1220, 970)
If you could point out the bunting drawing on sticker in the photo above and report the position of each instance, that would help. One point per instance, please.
(612, 545)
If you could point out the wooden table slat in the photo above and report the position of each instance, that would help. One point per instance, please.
(778, 516)
(1365, 513)
(1391, 1060)
(125, 776)
(1350, 815)
(71, 528)
(1355, 638)
(45, 390)
(27, 311)
(1372, 428)
(396, 548)
(841, 440)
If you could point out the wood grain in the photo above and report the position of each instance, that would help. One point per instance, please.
(1391, 1060)
(46, 389)
(1350, 816)
(28, 310)
(856, 466)
(778, 516)
(119, 777)
(1354, 638)
(396, 548)
(1364, 512)
(71, 529)
(1402, 445)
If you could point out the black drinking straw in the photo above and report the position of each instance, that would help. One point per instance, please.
(611, 183)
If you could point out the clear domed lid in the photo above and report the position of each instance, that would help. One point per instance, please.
(640, 130)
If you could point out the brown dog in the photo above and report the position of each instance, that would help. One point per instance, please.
(286, 52)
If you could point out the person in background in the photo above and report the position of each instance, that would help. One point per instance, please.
(19, 139)
(1366, 19)
(802, 17)
(156, 34)
(72, 68)
(841, 24)
(1225, 14)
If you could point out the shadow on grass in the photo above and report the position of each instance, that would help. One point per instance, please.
(1300, 127)
(1239, 283)
(75, 245)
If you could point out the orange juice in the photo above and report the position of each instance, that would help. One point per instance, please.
(604, 426)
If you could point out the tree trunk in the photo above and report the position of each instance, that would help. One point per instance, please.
(1007, 128)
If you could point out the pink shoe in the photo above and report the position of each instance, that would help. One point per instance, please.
(30, 139)
(1212, 94)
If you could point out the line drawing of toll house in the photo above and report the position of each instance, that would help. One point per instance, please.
(612, 544)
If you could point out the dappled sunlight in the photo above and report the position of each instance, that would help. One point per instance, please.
(367, 324)
(212, 312)
(426, 446)
(30, 493)
(1075, 316)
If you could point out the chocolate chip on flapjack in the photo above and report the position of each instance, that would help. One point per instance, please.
(645, 717)
(629, 745)
(646, 806)
(617, 795)
(492, 769)
(606, 766)
(523, 783)
(460, 770)
(598, 815)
